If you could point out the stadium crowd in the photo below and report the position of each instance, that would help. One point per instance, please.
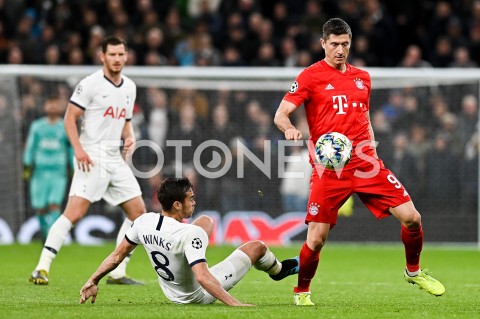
(240, 32)
(421, 131)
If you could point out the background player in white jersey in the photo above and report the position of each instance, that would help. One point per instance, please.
(177, 252)
(105, 99)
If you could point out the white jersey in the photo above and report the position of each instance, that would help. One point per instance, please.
(173, 248)
(106, 106)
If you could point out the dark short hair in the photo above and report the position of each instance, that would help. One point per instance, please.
(336, 26)
(172, 190)
(113, 40)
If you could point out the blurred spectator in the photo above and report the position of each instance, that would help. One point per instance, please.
(304, 59)
(395, 107)
(173, 28)
(455, 32)
(413, 58)
(121, 26)
(207, 15)
(461, 59)
(185, 52)
(442, 55)
(280, 20)
(206, 53)
(314, 17)
(439, 22)
(157, 101)
(97, 33)
(411, 114)
(221, 128)
(468, 118)
(362, 51)
(229, 187)
(15, 55)
(186, 129)
(266, 56)
(450, 130)
(132, 57)
(380, 29)
(198, 7)
(404, 164)
(419, 146)
(441, 183)
(231, 57)
(469, 177)
(439, 108)
(154, 45)
(289, 52)
(76, 57)
(475, 43)
(72, 42)
(52, 55)
(193, 97)
(383, 135)
(25, 37)
(294, 189)
(138, 123)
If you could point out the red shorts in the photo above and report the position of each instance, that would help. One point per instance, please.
(328, 193)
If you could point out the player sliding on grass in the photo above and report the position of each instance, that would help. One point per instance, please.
(336, 99)
(177, 252)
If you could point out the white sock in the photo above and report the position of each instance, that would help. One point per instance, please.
(268, 263)
(56, 236)
(121, 270)
(412, 273)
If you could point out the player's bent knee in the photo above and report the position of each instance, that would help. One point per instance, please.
(316, 244)
(254, 249)
(205, 222)
(414, 220)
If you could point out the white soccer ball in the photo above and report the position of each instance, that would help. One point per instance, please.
(333, 150)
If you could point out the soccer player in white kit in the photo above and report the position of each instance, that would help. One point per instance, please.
(105, 99)
(177, 252)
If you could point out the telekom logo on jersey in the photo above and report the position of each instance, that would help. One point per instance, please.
(115, 112)
(340, 103)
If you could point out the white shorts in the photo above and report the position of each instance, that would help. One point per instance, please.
(110, 179)
(229, 272)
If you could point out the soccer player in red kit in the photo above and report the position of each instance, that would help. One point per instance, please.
(336, 97)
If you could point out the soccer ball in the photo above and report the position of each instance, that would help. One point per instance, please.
(333, 150)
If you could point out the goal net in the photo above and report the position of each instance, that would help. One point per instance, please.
(215, 125)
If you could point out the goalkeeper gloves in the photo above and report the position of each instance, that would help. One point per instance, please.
(27, 172)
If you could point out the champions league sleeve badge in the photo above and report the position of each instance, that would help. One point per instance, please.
(294, 87)
(197, 243)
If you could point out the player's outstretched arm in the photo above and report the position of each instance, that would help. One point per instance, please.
(211, 284)
(90, 289)
(282, 120)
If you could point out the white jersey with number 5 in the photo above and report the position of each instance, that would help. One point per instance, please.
(173, 248)
(107, 106)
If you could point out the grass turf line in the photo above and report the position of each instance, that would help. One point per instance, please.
(352, 281)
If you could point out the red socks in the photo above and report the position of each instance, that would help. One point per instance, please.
(412, 239)
(308, 266)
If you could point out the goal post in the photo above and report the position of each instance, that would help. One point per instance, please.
(419, 116)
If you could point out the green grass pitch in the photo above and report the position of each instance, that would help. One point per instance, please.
(352, 281)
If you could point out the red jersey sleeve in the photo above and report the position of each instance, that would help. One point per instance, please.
(300, 90)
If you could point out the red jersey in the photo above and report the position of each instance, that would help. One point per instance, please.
(335, 102)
